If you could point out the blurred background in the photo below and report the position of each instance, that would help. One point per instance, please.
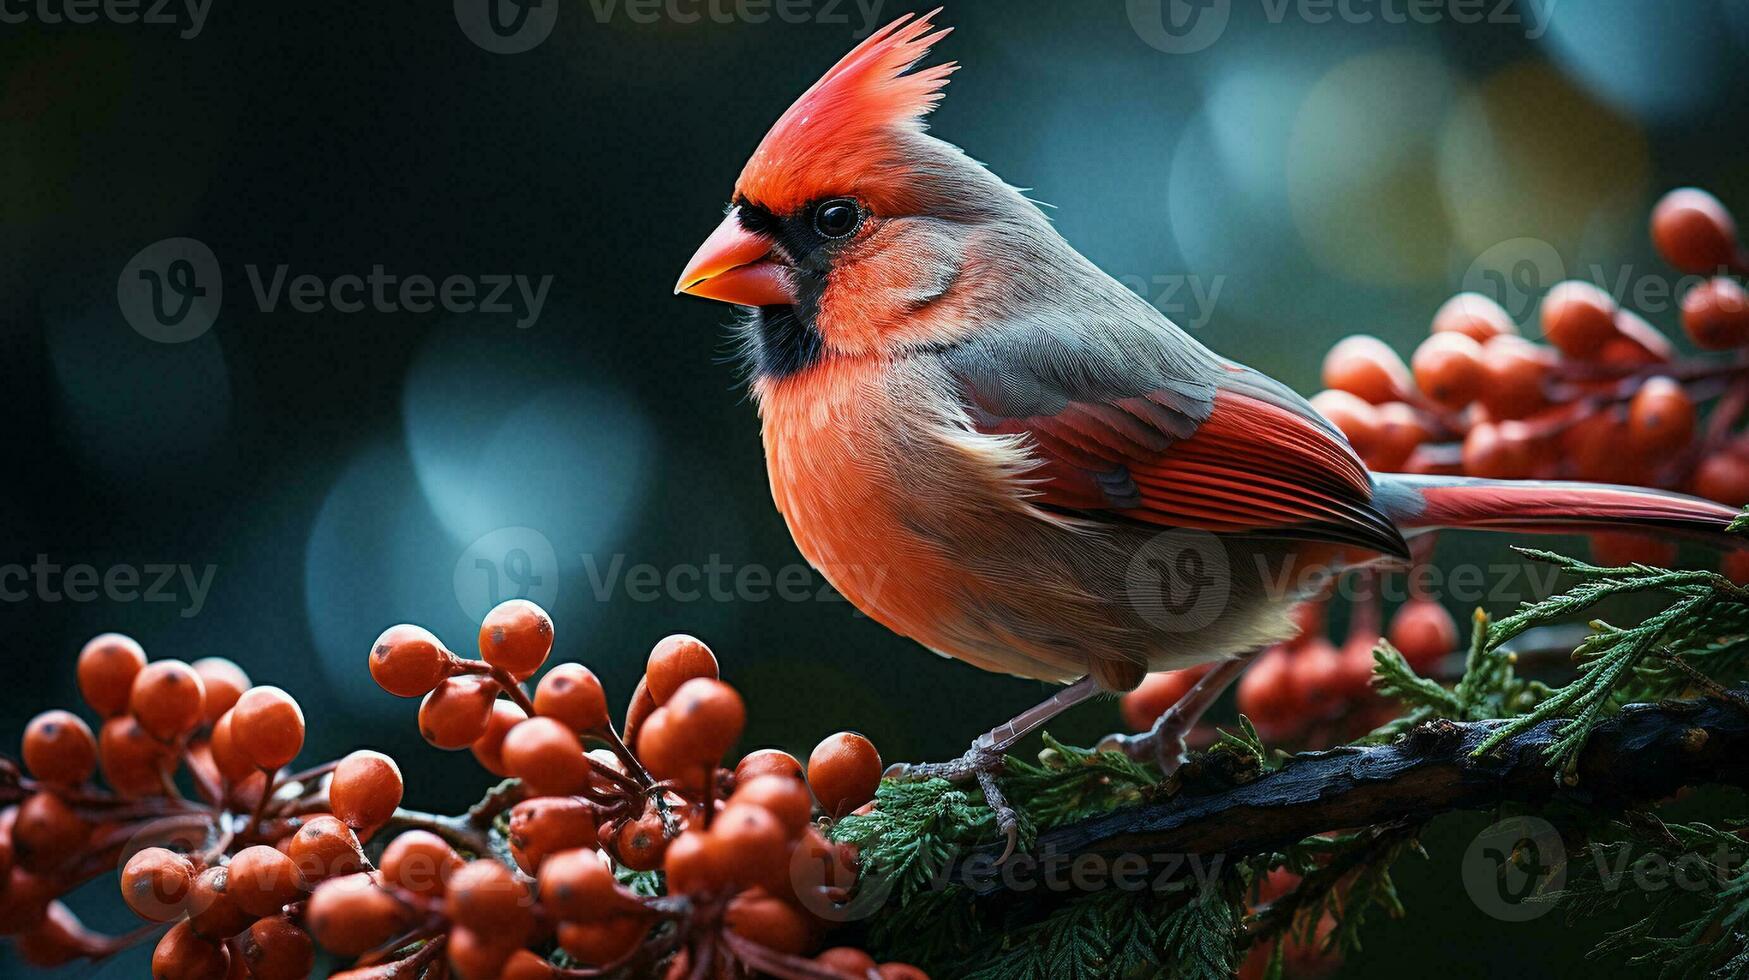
(288, 469)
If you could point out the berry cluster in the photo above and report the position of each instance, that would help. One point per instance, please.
(216, 875)
(591, 858)
(745, 872)
(1310, 690)
(1604, 397)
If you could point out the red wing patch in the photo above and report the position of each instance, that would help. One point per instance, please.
(1253, 467)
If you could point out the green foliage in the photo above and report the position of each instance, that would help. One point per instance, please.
(913, 834)
(1693, 911)
(1708, 617)
(1201, 927)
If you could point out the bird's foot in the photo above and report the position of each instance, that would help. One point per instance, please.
(1163, 744)
(981, 762)
(1164, 747)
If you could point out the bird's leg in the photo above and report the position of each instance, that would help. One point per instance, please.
(1164, 743)
(984, 759)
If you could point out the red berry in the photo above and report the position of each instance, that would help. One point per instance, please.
(268, 726)
(132, 761)
(1157, 692)
(212, 909)
(547, 756)
(1401, 431)
(1367, 367)
(59, 748)
(1266, 694)
(1693, 231)
(1724, 477)
(1579, 318)
(1475, 316)
(710, 714)
(696, 864)
(489, 748)
(274, 949)
(546, 825)
(1594, 447)
(785, 797)
(155, 883)
(183, 955)
(421, 862)
(458, 711)
(844, 771)
(486, 896)
(225, 682)
(1499, 451)
(1356, 419)
(769, 921)
(107, 666)
(572, 694)
(365, 790)
(1423, 632)
(605, 940)
(846, 961)
(1735, 565)
(676, 660)
(1660, 417)
(1517, 370)
(641, 843)
(578, 886)
(516, 636)
(1716, 314)
(324, 848)
(46, 833)
(1317, 673)
(228, 757)
(478, 956)
(1615, 550)
(1448, 368)
(756, 845)
(262, 880)
(767, 762)
(168, 698)
(351, 915)
(408, 661)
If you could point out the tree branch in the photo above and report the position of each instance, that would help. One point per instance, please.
(1646, 752)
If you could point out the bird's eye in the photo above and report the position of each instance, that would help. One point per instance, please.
(836, 218)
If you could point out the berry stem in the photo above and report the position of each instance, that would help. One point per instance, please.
(260, 810)
(766, 960)
(609, 734)
(107, 946)
(710, 793)
(312, 773)
(210, 789)
(513, 688)
(613, 775)
(460, 831)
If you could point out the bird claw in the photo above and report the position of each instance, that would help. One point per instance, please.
(981, 763)
(1162, 746)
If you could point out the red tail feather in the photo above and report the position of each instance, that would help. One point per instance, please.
(1539, 507)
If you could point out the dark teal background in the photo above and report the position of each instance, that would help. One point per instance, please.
(1326, 178)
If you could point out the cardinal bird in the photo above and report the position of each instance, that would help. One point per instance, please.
(994, 448)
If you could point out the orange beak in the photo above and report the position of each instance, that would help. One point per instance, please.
(733, 266)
